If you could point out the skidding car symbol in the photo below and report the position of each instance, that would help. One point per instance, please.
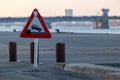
(36, 27)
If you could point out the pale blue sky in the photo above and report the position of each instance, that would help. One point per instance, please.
(23, 8)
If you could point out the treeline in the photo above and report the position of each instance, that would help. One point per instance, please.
(24, 19)
(10, 19)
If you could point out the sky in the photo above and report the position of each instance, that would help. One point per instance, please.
(24, 8)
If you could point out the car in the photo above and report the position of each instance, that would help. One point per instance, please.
(36, 27)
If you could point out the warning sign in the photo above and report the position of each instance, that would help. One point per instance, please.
(35, 27)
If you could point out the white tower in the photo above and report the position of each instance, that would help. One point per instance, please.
(68, 12)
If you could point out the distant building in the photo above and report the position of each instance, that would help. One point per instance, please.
(105, 12)
(68, 12)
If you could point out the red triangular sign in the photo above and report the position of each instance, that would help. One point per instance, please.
(35, 27)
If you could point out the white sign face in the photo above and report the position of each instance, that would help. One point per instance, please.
(35, 27)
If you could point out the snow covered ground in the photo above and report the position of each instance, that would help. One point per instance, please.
(18, 26)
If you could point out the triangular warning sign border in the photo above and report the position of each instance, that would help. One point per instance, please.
(45, 35)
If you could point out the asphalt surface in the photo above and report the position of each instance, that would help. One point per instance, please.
(72, 41)
(80, 48)
(24, 71)
(85, 48)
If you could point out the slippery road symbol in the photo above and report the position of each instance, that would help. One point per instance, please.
(36, 27)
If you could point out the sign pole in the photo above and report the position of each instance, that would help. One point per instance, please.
(35, 65)
(35, 28)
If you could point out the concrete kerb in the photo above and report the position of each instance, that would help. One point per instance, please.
(59, 66)
(113, 76)
(109, 73)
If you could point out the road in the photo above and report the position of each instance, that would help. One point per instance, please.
(80, 48)
(72, 41)
(77, 45)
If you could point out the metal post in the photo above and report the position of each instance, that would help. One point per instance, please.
(60, 52)
(32, 52)
(38, 53)
(35, 54)
(12, 52)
